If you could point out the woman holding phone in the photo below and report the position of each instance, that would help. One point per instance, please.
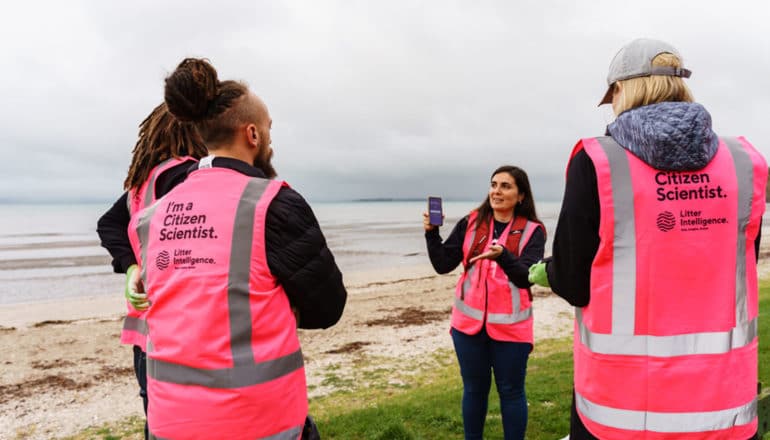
(492, 312)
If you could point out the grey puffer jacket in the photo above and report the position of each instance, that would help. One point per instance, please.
(670, 136)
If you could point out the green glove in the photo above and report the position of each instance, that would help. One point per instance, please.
(134, 290)
(537, 274)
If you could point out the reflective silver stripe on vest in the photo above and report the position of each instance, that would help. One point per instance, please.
(624, 266)
(667, 422)
(667, 346)
(460, 305)
(744, 171)
(624, 249)
(143, 232)
(466, 287)
(517, 315)
(289, 434)
(524, 233)
(143, 228)
(238, 276)
(235, 377)
(245, 372)
(511, 318)
(135, 324)
(469, 311)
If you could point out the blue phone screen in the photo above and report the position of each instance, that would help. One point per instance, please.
(435, 211)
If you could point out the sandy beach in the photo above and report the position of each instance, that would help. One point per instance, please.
(63, 369)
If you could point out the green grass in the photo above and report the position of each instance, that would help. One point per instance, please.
(130, 428)
(431, 409)
(764, 338)
(427, 405)
(764, 333)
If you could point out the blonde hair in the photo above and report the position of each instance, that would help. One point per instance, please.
(646, 90)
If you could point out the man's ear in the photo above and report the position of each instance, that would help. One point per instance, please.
(252, 135)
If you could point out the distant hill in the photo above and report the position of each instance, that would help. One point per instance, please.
(389, 199)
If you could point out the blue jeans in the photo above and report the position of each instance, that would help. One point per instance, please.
(478, 356)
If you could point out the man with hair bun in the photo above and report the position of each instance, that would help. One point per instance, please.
(656, 245)
(223, 357)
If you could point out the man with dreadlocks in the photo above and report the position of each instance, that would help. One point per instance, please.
(166, 148)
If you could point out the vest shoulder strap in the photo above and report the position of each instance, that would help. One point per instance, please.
(515, 235)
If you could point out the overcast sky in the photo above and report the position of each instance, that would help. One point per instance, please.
(368, 98)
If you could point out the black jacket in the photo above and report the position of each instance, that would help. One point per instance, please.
(297, 253)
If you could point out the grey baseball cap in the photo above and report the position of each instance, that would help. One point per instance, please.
(635, 59)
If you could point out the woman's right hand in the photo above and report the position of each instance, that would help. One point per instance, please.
(426, 222)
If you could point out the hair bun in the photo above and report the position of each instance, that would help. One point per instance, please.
(191, 89)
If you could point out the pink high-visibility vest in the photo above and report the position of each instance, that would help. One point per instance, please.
(134, 326)
(223, 357)
(667, 347)
(484, 294)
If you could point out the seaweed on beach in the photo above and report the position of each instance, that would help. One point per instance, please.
(54, 383)
(32, 387)
(409, 316)
(58, 363)
(391, 282)
(109, 372)
(51, 322)
(349, 347)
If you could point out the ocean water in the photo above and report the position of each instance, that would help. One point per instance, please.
(366, 235)
(49, 252)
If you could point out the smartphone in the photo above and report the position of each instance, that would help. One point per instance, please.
(435, 212)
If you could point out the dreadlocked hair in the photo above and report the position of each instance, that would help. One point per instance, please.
(161, 136)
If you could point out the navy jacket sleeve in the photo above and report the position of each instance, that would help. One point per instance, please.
(446, 256)
(517, 268)
(299, 258)
(576, 240)
(112, 228)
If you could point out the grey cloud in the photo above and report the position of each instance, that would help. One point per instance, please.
(369, 99)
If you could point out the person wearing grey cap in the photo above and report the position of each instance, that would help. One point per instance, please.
(656, 245)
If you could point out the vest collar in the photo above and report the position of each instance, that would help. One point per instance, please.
(232, 164)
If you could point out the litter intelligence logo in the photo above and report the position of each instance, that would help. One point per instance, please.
(162, 260)
(666, 221)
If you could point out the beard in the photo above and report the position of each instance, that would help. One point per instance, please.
(264, 161)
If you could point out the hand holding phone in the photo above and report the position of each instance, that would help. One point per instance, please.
(435, 211)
